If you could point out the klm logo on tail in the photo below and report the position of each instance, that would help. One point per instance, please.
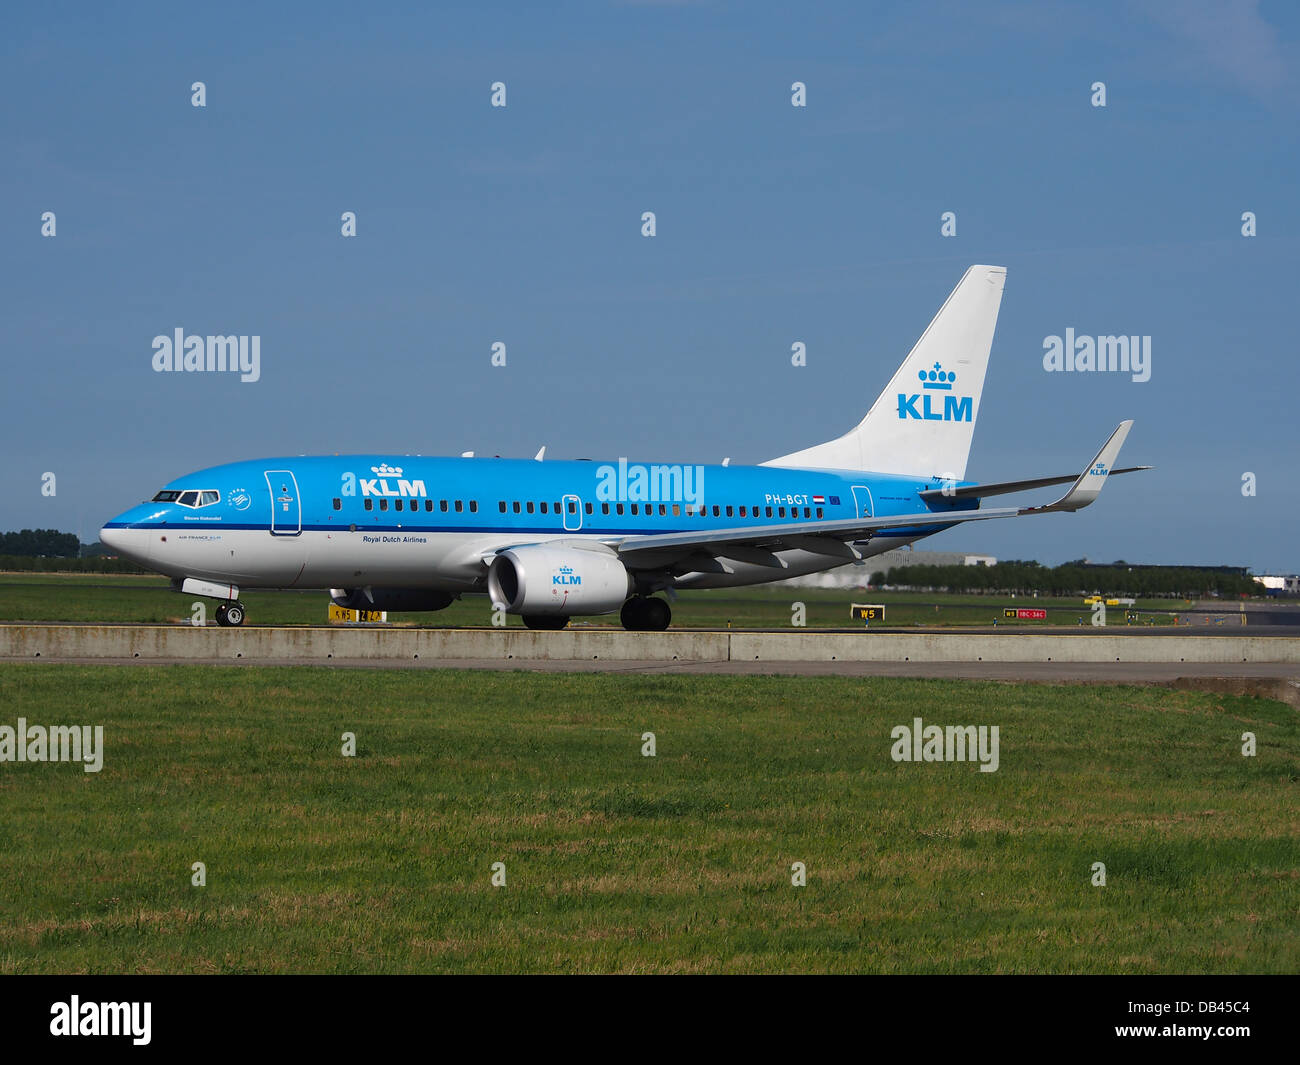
(955, 408)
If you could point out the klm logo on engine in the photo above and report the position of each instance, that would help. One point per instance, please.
(565, 575)
(924, 405)
(378, 486)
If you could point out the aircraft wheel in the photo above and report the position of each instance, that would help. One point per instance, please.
(234, 613)
(545, 621)
(633, 614)
(220, 615)
(657, 615)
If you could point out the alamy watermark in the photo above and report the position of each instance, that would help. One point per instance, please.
(196, 354)
(946, 743)
(638, 483)
(75, 1017)
(1114, 354)
(55, 743)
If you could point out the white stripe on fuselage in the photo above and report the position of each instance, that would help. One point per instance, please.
(447, 561)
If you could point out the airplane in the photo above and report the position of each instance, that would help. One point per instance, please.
(551, 540)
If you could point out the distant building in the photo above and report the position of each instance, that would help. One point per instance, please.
(860, 575)
(1280, 585)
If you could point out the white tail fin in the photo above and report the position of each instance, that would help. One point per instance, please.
(924, 420)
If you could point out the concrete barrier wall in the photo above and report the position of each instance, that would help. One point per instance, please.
(955, 647)
(185, 642)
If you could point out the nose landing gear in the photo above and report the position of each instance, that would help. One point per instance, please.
(230, 614)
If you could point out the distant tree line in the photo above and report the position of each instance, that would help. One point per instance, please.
(51, 551)
(1076, 578)
(93, 564)
(35, 543)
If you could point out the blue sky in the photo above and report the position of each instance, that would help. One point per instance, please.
(775, 224)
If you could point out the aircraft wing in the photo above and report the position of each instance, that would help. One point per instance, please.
(1001, 488)
(759, 544)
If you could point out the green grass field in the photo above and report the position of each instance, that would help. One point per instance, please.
(123, 598)
(623, 863)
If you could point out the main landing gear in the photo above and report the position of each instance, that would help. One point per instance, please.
(643, 614)
(230, 614)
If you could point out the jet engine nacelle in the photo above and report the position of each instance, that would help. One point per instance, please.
(396, 599)
(558, 581)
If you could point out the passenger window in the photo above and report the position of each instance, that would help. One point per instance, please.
(807, 513)
(460, 506)
(428, 505)
(473, 506)
(558, 508)
(780, 512)
(338, 504)
(634, 508)
(819, 512)
(729, 512)
(516, 506)
(442, 505)
(604, 508)
(717, 511)
(588, 507)
(502, 506)
(383, 504)
(618, 508)
(769, 512)
(543, 506)
(529, 505)
(742, 512)
(677, 510)
(690, 510)
(397, 504)
(573, 508)
(369, 504)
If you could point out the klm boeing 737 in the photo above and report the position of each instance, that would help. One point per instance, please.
(551, 540)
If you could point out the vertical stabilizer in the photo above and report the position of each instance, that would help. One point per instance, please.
(924, 420)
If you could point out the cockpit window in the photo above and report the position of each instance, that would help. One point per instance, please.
(195, 498)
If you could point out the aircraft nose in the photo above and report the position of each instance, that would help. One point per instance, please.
(132, 544)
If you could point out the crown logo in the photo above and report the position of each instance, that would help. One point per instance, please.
(385, 470)
(937, 378)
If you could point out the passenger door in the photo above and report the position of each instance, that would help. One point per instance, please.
(286, 506)
(862, 501)
(572, 513)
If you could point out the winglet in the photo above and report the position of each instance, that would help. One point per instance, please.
(1091, 481)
